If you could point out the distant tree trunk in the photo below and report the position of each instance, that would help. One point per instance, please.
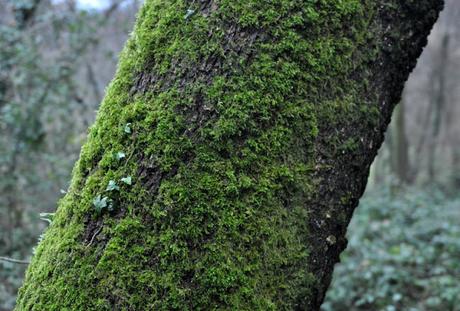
(384, 163)
(439, 104)
(456, 165)
(228, 156)
(401, 146)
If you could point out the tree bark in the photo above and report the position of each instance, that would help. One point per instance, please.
(228, 156)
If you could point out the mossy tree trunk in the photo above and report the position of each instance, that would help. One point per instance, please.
(228, 155)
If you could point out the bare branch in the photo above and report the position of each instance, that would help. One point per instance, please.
(112, 8)
(21, 262)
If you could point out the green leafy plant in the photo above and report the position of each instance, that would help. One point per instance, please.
(112, 186)
(120, 155)
(100, 203)
(189, 14)
(48, 217)
(127, 128)
(127, 180)
(402, 255)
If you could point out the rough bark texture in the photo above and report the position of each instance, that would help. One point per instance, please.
(248, 129)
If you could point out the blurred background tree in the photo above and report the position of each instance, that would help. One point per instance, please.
(423, 143)
(55, 61)
(56, 57)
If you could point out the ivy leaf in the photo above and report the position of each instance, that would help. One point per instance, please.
(48, 217)
(127, 180)
(128, 128)
(120, 155)
(100, 203)
(189, 14)
(112, 186)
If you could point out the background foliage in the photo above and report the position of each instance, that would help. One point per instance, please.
(403, 254)
(55, 61)
(404, 250)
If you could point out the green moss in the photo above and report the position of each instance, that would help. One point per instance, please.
(350, 145)
(227, 226)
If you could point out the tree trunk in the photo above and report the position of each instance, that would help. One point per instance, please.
(228, 156)
(439, 103)
(401, 146)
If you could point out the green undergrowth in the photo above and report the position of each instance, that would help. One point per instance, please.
(402, 255)
(220, 221)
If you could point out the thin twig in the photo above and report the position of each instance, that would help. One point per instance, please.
(94, 235)
(21, 262)
(112, 8)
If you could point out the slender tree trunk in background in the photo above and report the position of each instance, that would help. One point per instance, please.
(228, 156)
(439, 104)
(456, 166)
(401, 146)
(424, 139)
(376, 173)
